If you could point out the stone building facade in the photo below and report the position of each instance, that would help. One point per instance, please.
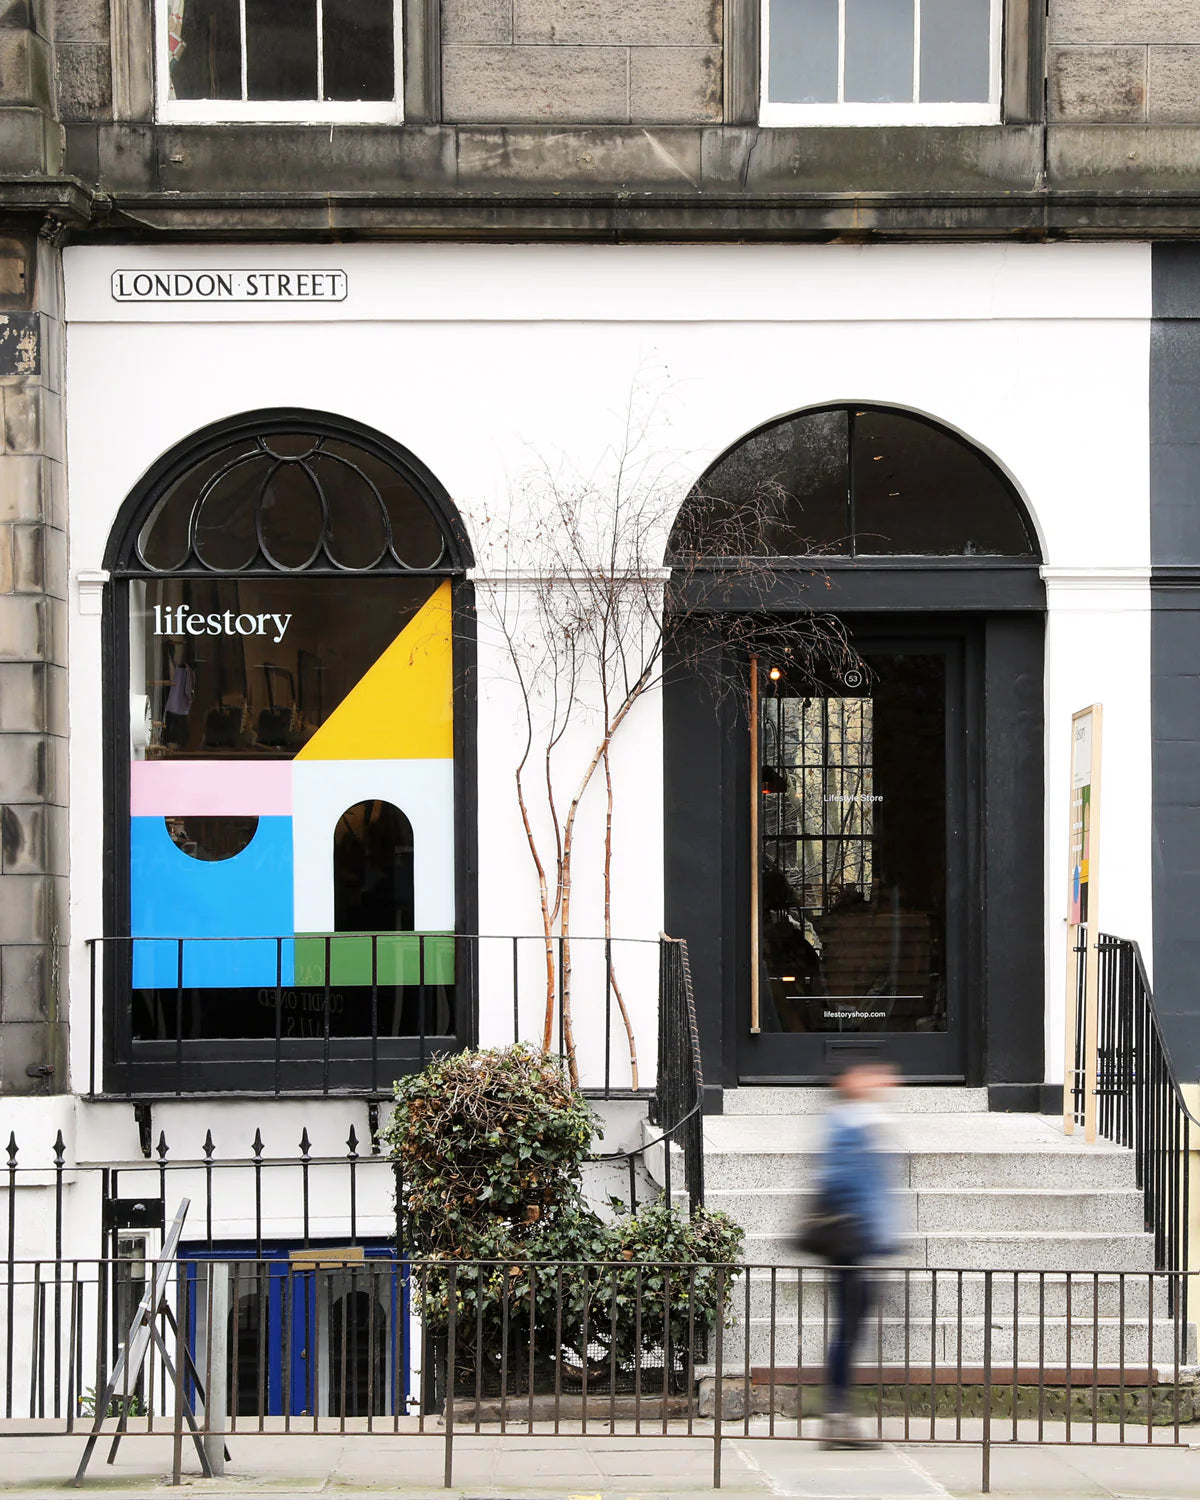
(537, 122)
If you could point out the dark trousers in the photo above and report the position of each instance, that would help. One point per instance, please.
(853, 1296)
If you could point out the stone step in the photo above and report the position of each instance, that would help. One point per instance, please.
(971, 1211)
(733, 1169)
(919, 1291)
(892, 1341)
(914, 1099)
(1119, 1210)
(1057, 1251)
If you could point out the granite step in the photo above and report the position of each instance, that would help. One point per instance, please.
(894, 1340)
(974, 1210)
(784, 1100)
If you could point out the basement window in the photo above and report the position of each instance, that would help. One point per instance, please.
(881, 62)
(279, 60)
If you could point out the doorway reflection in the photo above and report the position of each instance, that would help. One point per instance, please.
(853, 848)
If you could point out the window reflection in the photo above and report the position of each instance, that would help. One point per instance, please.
(852, 480)
(853, 858)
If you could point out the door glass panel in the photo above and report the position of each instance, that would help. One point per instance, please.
(853, 856)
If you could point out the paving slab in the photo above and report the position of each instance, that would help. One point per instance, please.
(623, 1466)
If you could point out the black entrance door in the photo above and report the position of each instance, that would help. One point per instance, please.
(862, 890)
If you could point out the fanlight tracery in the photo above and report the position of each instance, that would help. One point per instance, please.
(288, 501)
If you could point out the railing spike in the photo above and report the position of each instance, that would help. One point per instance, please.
(352, 1141)
(60, 1149)
(12, 1148)
(209, 1144)
(162, 1148)
(305, 1143)
(256, 1145)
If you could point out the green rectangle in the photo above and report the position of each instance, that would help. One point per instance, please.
(397, 958)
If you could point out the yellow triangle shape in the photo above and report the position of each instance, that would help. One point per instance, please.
(403, 707)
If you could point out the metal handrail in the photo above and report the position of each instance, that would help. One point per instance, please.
(1140, 1102)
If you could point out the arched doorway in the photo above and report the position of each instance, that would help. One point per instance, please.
(872, 837)
(285, 624)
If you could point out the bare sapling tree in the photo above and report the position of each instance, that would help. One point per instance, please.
(611, 583)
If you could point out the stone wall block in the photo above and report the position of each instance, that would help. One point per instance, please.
(536, 85)
(21, 495)
(23, 839)
(24, 768)
(26, 140)
(16, 67)
(58, 763)
(24, 1051)
(33, 839)
(24, 982)
(15, 280)
(81, 21)
(477, 22)
(48, 281)
(28, 562)
(1173, 96)
(674, 85)
(54, 491)
(1117, 21)
(25, 902)
(25, 628)
(640, 22)
(56, 630)
(1097, 83)
(16, 13)
(39, 560)
(51, 352)
(22, 418)
(57, 717)
(6, 559)
(84, 81)
(23, 697)
(26, 69)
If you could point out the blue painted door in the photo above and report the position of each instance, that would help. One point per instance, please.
(308, 1334)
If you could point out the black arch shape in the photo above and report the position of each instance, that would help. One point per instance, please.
(120, 555)
(1034, 554)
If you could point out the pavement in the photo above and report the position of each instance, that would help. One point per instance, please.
(621, 1466)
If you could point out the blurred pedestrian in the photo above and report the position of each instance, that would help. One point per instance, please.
(852, 1225)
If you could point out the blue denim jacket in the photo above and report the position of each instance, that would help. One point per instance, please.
(857, 1177)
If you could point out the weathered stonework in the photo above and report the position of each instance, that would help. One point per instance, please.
(1097, 83)
(600, 62)
(1130, 62)
(33, 711)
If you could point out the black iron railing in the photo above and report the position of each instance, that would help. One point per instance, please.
(607, 1349)
(347, 1013)
(679, 1094)
(1140, 1103)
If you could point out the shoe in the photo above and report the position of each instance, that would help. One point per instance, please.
(856, 1433)
(841, 1430)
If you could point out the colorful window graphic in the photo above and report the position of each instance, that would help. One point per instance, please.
(292, 808)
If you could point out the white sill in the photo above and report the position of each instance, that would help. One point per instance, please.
(773, 113)
(278, 112)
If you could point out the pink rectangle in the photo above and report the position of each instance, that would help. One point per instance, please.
(210, 788)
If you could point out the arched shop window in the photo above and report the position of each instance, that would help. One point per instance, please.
(856, 481)
(283, 599)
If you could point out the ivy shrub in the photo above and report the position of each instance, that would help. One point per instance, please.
(491, 1145)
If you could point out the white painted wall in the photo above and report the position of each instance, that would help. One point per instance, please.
(487, 361)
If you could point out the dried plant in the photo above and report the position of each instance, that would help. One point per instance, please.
(605, 585)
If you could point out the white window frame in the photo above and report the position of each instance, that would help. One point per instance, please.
(839, 112)
(283, 111)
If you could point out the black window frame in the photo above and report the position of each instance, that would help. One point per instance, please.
(253, 1066)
